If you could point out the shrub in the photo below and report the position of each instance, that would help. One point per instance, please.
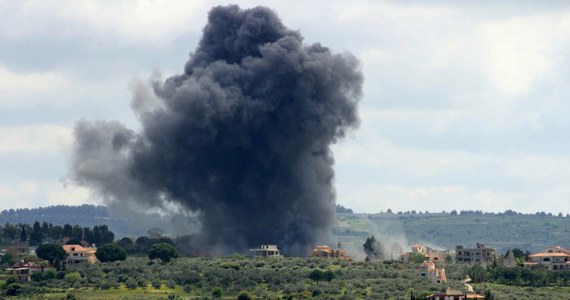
(131, 283)
(217, 292)
(110, 253)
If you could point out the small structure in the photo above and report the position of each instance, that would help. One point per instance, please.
(325, 251)
(428, 270)
(478, 255)
(451, 294)
(24, 270)
(553, 258)
(78, 254)
(18, 250)
(266, 251)
(430, 254)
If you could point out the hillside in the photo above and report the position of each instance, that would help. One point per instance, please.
(397, 230)
(444, 230)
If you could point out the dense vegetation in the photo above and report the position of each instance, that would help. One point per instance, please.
(238, 277)
(37, 234)
(503, 231)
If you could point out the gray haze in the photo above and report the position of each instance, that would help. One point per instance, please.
(242, 137)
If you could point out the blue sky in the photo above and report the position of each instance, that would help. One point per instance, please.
(465, 103)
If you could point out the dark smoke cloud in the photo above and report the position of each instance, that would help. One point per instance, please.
(242, 137)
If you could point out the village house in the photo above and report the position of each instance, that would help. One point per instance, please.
(78, 254)
(553, 258)
(451, 294)
(478, 255)
(428, 270)
(24, 270)
(325, 251)
(18, 250)
(266, 251)
(430, 254)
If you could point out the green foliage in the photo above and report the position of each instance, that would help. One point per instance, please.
(110, 253)
(244, 296)
(318, 275)
(217, 292)
(72, 277)
(417, 258)
(53, 253)
(163, 251)
(7, 260)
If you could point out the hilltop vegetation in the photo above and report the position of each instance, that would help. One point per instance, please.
(444, 230)
(531, 232)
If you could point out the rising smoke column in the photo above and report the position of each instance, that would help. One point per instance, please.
(242, 137)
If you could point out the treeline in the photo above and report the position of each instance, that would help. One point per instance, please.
(38, 234)
(454, 212)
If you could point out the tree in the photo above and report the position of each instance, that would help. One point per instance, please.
(418, 258)
(7, 260)
(53, 253)
(23, 235)
(36, 236)
(111, 252)
(162, 251)
(317, 275)
(217, 292)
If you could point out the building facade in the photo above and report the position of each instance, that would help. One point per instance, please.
(77, 254)
(428, 270)
(553, 258)
(481, 254)
(266, 251)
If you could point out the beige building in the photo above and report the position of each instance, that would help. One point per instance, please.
(451, 294)
(78, 254)
(24, 270)
(328, 252)
(553, 258)
(428, 270)
(478, 255)
(266, 251)
(430, 254)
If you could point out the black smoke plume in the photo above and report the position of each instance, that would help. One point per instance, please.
(242, 138)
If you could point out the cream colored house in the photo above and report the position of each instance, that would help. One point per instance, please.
(78, 254)
(266, 251)
(430, 254)
(553, 258)
(428, 270)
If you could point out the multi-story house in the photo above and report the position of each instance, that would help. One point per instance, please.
(553, 258)
(78, 254)
(478, 255)
(266, 251)
(428, 270)
(24, 270)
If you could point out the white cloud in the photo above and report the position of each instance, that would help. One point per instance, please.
(379, 197)
(26, 83)
(135, 21)
(40, 138)
(27, 194)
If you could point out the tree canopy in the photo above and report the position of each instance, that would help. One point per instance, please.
(54, 253)
(111, 252)
(163, 251)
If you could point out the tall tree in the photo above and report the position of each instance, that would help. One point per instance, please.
(23, 235)
(36, 236)
(162, 251)
(67, 229)
(111, 252)
(53, 253)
